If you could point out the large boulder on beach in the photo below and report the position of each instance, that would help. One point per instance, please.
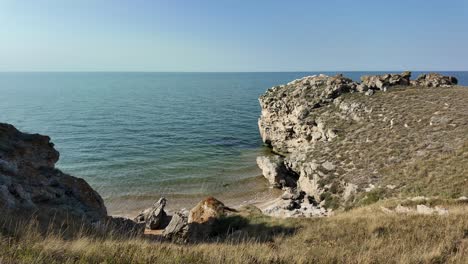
(155, 216)
(178, 228)
(199, 223)
(207, 211)
(30, 185)
(204, 216)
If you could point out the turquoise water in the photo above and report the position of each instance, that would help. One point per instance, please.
(145, 134)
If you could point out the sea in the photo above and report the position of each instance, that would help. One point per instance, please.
(135, 137)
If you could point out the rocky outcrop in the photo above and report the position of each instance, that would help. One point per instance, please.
(435, 80)
(339, 142)
(295, 203)
(31, 185)
(155, 216)
(286, 121)
(274, 170)
(383, 82)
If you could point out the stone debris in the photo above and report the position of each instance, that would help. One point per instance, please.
(294, 203)
(420, 209)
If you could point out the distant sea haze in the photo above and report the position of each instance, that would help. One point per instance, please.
(141, 135)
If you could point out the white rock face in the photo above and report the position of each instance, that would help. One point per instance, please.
(275, 171)
(288, 125)
(284, 123)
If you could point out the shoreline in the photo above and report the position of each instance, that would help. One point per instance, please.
(249, 191)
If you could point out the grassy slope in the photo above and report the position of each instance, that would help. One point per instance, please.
(414, 139)
(362, 235)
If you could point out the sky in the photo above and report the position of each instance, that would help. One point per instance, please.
(238, 36)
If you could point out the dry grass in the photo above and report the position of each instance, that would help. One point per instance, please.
(362, 235)
(414, 139)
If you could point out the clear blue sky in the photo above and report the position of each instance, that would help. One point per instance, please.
(217, 35)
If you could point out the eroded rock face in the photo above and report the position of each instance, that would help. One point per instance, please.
(30, 183)
(286, 121)
(339, 142)
(435, 80)
(275, 171)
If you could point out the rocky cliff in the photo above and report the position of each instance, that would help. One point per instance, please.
(346, 142)
(30, 185)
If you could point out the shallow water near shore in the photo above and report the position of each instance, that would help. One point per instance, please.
(137, 136)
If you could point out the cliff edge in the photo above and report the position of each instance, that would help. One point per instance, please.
(350, 143)
(30, 185)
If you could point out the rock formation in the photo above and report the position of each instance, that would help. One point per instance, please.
(435, 80)
(275, 171)
(155, 216)
(178, 229)
(286, 121)
(31, 185)
(383, 82)
(339, 142)
(199, 223)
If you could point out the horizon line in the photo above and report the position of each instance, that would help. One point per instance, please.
(298, 71)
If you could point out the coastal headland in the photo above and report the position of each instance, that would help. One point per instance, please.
(372, 161)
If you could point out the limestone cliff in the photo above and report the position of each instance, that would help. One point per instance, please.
(348, 140)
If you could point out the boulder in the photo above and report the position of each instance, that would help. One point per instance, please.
(30, 183)
(204, 216)
(383, 82)
(207, 210)
(125, 226)
(275, 171)
(177, 229)
(435, 80)
(155, 216)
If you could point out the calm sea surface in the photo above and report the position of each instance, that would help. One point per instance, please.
(136, 136)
